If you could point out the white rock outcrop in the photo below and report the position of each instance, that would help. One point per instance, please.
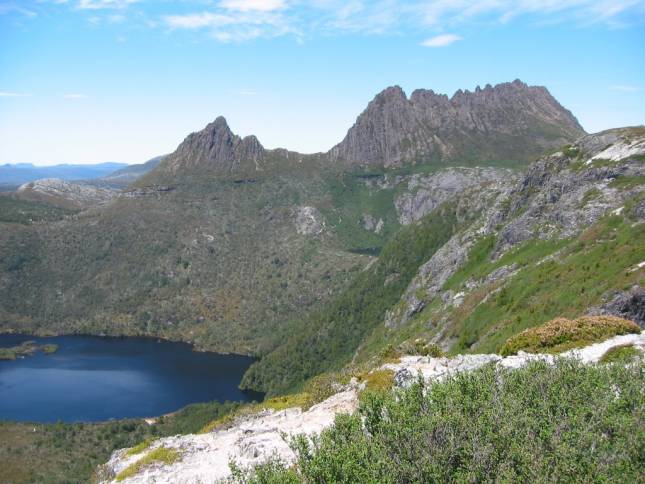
(65, 193)
(253, 439)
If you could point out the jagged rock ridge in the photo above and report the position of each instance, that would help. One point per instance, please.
(510, 121)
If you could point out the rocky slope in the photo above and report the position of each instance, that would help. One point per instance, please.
(518, 251)
(510, 121)
(560, 209)
(252, 440)
(507, 122)
(65, 194)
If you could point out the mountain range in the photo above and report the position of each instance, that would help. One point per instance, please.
(508, 122)
(310, 260)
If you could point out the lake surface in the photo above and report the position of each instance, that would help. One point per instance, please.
(93, 378)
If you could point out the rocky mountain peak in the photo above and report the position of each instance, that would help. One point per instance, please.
(390, 95)
(214, 150)
(509, 121)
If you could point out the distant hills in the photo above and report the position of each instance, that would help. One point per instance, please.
(109, 174)
(13, 175)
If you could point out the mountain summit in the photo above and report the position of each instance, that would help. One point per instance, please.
(216, 149)
(507, 122)
(510, 121)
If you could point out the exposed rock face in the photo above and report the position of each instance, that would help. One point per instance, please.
(426, 192)
(372, 224)
(309, 221)
(559, 196)
(65, 194)
(511, 121)
(252, 440)
(408, 369)
(628, 304)
(215, 149)
(249, 441)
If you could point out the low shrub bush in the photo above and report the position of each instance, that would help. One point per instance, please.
(547, 423)
(562, 334)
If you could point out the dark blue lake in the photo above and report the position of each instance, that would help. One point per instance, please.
(93, 378)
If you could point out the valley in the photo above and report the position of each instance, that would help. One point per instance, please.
(437, 228)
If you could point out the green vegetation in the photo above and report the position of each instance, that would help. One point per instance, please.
(26, 348)
(350, 197)
(627, 182)
(327, 339)
(562, 334)
(62, 452)
(571, 151)
(379, 380)
(562, 423)
(622, 354)
(160, 454)
(25, 212)
(557, 278)
(48, 349)
(137, 449)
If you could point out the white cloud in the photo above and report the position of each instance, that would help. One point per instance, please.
(440, 12)
(625, 88)
(10, 7)
(240, 20)
(234, 26)
(441, 40)
(104, 4)
(198, 20)
(253, 5)
(74, 96)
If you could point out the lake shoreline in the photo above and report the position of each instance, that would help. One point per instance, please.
(94, 378)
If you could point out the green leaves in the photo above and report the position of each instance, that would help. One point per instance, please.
(565, 423)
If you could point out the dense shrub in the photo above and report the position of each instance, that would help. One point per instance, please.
(564, 423)
(562, 334)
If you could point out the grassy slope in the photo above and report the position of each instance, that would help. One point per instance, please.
(577, 277)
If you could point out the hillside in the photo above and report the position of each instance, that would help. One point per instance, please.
(489, 263)
(230, 245)
(129, 174)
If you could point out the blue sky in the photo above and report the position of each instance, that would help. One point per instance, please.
(86, 81)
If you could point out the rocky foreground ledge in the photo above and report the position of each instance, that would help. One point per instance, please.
(252, 439)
